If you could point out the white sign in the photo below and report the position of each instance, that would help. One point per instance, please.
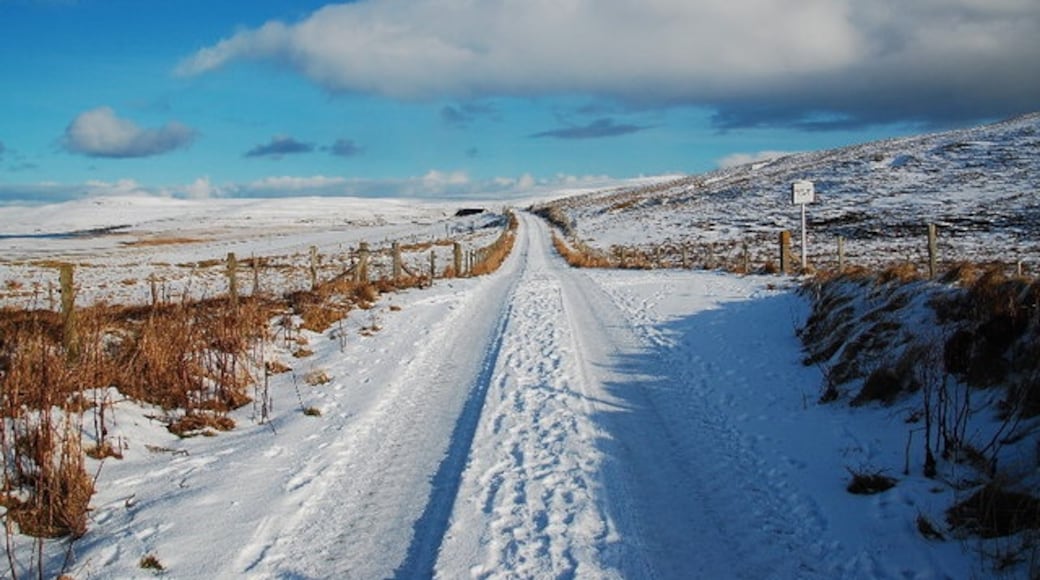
(802, 192)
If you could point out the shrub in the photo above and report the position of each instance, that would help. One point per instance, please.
(869, 483)
(993, 512)
(882, 385)
(150, 562)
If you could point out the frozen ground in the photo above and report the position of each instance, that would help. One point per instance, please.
(540, 422)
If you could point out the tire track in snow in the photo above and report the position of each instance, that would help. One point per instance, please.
(430, 528)
(362, 507)
(531, 502)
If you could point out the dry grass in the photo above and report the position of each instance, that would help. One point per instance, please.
(579, 259)
(275, 367)
(150, 562)
(492, 257)
(198, 423)
(317, 377)
(993, 512)
(869, 483)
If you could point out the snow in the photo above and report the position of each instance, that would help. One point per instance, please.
(542, 421)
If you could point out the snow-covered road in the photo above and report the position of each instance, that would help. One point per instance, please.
(539, 422)
(599, 456)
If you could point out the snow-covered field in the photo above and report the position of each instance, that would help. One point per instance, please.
(538, 422)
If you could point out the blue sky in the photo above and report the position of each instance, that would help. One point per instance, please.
(434, 97)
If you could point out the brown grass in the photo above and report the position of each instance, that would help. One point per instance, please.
(151, 562)
(576, 258)
(198, 423)
(317, 377)
(492, 257)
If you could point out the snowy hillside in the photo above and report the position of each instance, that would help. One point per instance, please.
(981, 186)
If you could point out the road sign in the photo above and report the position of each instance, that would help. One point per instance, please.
(802, 192)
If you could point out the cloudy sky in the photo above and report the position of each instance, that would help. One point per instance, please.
(429, 97)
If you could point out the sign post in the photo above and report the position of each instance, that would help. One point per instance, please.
(803, 193)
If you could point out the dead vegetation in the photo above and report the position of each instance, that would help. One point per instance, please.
(962, 353)
(869, 482)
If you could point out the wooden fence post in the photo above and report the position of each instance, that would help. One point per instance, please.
(396, 248)
(685, 257)
(458, 259)
(362, 266)
(232, 276)
(785, 252)
(154, 288)
(746, 257)
(841, 254)
(433, 266)
(68, 311)
(256, 275)
(933, 251)
(314, 268)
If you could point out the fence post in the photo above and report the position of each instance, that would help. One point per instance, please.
(933, 251)
(232, 276)
(746, 254)
(841, 254)
(362, 266)
(685, 257)
(154, 289)
(68, 311)
(256, 275)
(785, 252)
(396, 248)
(433, 266)
(314, 268)
(458, 259)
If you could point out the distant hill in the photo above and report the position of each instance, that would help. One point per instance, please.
(981, 186)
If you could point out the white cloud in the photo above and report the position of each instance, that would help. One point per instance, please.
(434, 184)
(438, 179)
(121, 187)
(100, 133)
(735, 159)
(201, 188)
(296, 184)
(418, 48)
(773, 57)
